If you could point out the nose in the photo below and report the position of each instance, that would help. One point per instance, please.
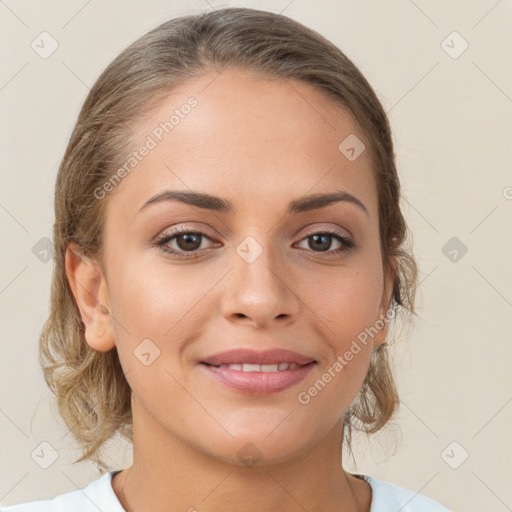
(260, 289)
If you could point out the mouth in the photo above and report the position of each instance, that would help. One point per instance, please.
(258, 379)
(267, 358)
(266, 368)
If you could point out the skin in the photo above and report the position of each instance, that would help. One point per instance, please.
(260, 143)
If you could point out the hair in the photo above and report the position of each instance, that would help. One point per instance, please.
(137, 80)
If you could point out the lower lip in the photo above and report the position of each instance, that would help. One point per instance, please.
(259, 383)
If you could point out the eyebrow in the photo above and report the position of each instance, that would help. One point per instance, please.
(209, 202)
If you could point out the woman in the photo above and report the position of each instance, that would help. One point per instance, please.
(229, 255)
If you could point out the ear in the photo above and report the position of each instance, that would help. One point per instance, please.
(387, 295)
(90, 290)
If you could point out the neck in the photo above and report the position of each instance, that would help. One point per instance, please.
(168, 475)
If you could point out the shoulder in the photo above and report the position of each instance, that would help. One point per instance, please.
(388, 497)
(98, 495)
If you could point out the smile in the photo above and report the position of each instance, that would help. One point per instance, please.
(258, 379)
(247, 367)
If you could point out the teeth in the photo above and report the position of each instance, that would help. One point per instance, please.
(261, 367)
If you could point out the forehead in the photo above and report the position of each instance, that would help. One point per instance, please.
(246, 136)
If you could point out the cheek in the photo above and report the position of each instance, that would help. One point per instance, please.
(348, 302)
(347, 309)
(150, 299)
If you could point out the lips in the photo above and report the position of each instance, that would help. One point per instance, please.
(258, 373)
(248, 357)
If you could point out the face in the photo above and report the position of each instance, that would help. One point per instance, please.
(250, 275)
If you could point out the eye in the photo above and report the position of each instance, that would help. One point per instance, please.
(321, 240)
(186, 241)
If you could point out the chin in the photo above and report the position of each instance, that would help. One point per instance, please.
(258, 449)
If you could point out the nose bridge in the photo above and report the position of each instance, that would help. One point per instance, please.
(257, 263)
(258, 285)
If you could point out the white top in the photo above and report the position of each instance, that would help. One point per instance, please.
(99, 495)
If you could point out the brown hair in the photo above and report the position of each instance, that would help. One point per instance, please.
(142, 75)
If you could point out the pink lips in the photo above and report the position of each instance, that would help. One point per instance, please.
(258, 382)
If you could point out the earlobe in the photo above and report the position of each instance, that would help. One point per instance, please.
(383, 325)
(387, 297)
(89, 287)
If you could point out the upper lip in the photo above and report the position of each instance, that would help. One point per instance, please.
(251, 356)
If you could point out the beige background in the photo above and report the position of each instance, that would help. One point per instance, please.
(452, 124)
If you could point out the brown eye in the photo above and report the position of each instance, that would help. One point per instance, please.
(182, 243)
(322, 240)
(188, 241)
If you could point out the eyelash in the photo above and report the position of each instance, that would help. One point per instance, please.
(346, 243)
